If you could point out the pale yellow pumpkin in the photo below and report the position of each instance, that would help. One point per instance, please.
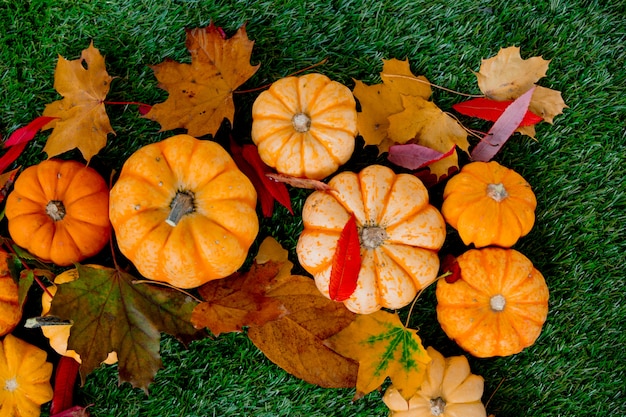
(305, 126)
(449, 390)
(399, 233)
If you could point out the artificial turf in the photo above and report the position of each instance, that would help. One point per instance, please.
(576, 167)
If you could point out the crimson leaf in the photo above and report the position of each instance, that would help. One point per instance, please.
(346, 263)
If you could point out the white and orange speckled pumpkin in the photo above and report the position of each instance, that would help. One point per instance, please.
(400, 233)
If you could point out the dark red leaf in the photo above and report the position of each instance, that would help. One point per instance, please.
(26, 133)
(276, 189)
(414, 156)
(64, 384)
(488, 109)
(76, 411)
(11, 155)
(502, 129)
(299, 182)
(450, 265)
(346, 263)
(144, 109)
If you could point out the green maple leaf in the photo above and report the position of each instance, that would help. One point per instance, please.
(384, 348)
(112, 313)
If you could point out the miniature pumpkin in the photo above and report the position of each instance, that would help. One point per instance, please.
(58, 210)
(24, 378)
(489, 204)
(305, 126)
(183, 213)
(399, 233)
(59, 334)
(10, 310)
(499, 305)
(450, 389)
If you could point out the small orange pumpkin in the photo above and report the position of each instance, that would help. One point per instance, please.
(489, 204)
(305, 126)
(499, 305)
(24, 378)
(10, 311)
(183, 212)
(58, 210)
(399, 232)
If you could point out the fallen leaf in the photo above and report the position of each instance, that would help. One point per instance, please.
(384, 348)
(238, 301)
(112, 313)
(65, 377)
(200, 93)
(507, 76)
(450, 266)
(414, 156)
(306, 183)
(6, 182)
(503, 128)
(295, 341)
(346, 263)
(82, 119)
(491, 110)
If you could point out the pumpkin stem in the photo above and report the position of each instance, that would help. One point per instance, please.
(497, 303)
(497, 192)
(372, 236)
(55, 210)
(437, 406)
(181, 205)
(301, 122)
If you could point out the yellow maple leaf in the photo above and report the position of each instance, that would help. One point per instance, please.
(200, 93)
(507, 76)
(384, 348)
(82, 119)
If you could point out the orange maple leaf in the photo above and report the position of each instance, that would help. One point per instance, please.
(507, 76)
(82, 119)
(200, 93)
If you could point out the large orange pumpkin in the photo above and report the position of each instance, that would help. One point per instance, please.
(399, 232)
(489, 204)
(499, 305)
(305, 126)
(183, 213)
(10, 310)
(59, 211)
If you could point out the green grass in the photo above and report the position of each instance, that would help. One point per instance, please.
(576, 167)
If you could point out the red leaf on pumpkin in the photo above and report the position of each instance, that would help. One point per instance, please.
(346, 263)
(64, 384)
(414, 156)
(503, 128)
(488, 109)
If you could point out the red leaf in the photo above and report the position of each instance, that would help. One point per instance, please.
(265, 198)
(503, 128)
(76, 411)
(488, 109)
(64, 384)
(26, 133)
(414, 156)
(11, 155)
(299, 182)
(450, 265)
(346, 263)
(276, 189)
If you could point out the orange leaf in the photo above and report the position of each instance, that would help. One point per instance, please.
(82, 119)
(346, 263)
(200, 93)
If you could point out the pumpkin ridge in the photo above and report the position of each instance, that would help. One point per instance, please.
(331, 155)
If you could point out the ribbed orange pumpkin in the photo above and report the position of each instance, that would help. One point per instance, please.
(305, 126)
(59, 211)
(183, 212)
(499, 305)
(489, 204)
(399, 232)
(10, 310)
(24, 378)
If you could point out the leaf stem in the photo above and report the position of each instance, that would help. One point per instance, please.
(433, 85)
(419, 294)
